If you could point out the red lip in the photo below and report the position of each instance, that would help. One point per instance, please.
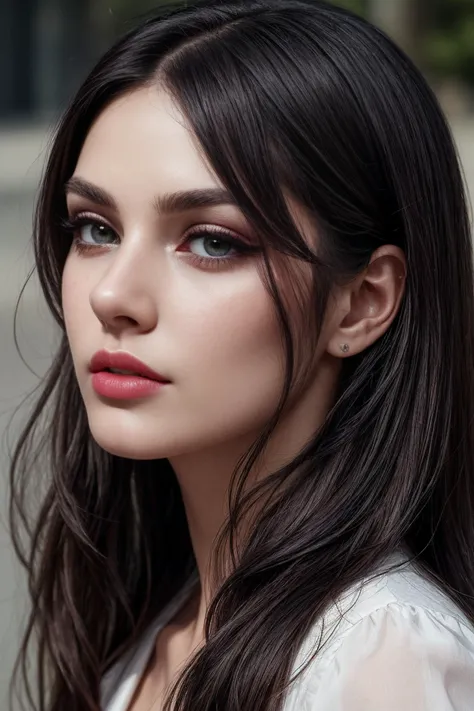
(103, 360)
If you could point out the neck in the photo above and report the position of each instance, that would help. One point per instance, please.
(204, 477)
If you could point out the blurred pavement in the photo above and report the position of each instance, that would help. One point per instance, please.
(20, 169)
(22, 152)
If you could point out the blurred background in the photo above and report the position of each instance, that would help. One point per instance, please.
(46, 48)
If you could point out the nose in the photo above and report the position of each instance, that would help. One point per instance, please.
(124, 298)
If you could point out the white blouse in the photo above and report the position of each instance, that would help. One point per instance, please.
(401, 645)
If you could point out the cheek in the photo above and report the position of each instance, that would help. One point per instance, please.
(232, 328)
(75, 303)
(69, 288)
(235, 359)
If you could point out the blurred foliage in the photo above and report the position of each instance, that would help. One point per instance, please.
(449, 42)
(444, 39)
(358, 6)
(126, 11)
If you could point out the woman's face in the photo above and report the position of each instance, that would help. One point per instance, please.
(159, 270)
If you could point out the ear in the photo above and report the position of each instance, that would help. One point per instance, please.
(363, 310)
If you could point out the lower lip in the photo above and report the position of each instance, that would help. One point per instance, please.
(124, 387)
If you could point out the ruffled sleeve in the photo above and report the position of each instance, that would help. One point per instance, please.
(399, 658)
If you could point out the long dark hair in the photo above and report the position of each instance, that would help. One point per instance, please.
(286, 97)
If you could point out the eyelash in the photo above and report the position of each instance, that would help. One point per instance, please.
(73, 224)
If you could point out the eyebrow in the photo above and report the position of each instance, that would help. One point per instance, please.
(168, 203)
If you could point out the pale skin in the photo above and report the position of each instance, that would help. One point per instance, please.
(211, 331)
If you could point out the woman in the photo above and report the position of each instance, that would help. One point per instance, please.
(257, 429)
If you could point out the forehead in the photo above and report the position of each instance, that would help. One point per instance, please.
(142, 137)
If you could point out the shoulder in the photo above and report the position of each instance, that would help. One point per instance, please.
(394, 641)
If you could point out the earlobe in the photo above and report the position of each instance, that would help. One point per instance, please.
(374, 298)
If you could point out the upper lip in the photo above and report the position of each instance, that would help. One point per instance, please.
(123, 361)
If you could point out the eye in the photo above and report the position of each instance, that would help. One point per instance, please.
(89, 232)
(213, 246)
(95, 233)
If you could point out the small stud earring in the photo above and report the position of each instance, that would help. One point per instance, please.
(344, 347)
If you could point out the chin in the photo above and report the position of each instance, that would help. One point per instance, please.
(131, 437)
(124, 450)
(131, 447)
